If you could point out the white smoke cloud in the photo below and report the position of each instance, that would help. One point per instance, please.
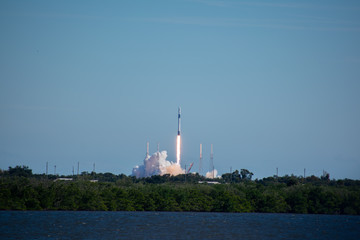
(212, 174)
(157, 165)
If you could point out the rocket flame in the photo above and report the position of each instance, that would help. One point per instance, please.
(178, 140)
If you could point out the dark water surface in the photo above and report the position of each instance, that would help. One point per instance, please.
(169, 225)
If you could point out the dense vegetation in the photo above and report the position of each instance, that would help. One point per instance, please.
(22, 190)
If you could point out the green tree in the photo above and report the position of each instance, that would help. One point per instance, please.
(246, 174)
(20, 171)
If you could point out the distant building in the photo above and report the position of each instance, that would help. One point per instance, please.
(209, 182)
(63, 179)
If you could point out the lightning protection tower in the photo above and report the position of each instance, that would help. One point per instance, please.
(212, 159)
(200, 159)
(147, 150)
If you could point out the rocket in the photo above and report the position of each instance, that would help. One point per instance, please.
(178, 138)
(179, 121)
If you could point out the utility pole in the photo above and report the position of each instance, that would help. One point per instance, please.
(277, 172)
(78, 168)
(47, 165)
(230, 174)
(55, 170)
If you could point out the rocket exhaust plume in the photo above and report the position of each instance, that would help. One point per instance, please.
(178, 139)
(212, 174)
(157, 164)
(178, 143)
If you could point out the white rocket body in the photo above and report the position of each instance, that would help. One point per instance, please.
(178, 138)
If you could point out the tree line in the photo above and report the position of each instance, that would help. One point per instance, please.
(237, 192)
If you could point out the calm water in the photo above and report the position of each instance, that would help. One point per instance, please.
(166, 225)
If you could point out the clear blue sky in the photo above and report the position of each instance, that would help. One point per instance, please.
(269, 83)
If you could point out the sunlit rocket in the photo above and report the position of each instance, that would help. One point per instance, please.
(178, 139)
